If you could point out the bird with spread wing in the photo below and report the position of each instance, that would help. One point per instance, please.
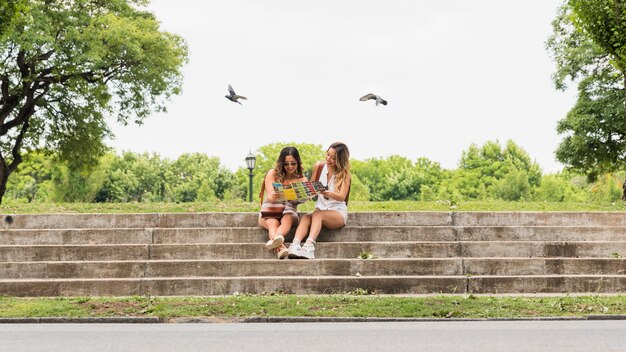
(232, 96)
(375, 97)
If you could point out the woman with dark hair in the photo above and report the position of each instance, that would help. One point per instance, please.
(288, 169)
(331, 209)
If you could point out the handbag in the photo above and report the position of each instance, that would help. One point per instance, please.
(275, 211)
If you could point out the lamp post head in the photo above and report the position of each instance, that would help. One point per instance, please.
(250, 161)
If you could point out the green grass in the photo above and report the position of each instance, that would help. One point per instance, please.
(354, 206)
(241, 306)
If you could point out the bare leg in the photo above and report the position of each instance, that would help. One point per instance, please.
(285, 225)
(328, 219)
(271, 225)
(303, 227)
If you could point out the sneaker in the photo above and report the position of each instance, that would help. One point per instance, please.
(293, 251)
(281, 251)
(276, 242)
(307, 252)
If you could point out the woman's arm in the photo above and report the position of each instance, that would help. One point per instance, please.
(269, 187)
(341, 195)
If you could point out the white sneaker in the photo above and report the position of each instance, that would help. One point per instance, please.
(307, 252)
(275, 243)
(293, 251)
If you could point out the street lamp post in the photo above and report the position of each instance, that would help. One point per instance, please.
(250, 161)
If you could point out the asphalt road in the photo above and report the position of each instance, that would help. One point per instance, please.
(553, 336)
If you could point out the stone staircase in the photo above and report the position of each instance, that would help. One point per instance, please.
(202, 254)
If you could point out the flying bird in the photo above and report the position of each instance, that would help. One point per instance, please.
(234, 97)
(378, 99)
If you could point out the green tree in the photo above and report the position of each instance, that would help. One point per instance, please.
(78, 184)
(138, 178)
(69, 64)
(594, 140)
(10, 11)
(397, 177)
(607, 188)
(559, 188)
(514, 186)
(199, 177)
(489, 172)
(32, 181)
(604, 21)
(588, 45)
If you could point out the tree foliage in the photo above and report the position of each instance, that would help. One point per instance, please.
(10, 12)
(485, 172)
(491, 172)
(604, 21)
(68, 65)
(594, 140)
(588, 45)
(397, 177)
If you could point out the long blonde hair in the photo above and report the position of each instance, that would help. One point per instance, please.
(342, 163)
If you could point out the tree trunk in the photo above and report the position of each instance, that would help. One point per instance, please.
(6, 170)
(4, 177)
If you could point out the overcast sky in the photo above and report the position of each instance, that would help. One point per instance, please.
(455, 72)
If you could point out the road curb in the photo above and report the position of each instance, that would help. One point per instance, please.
(221, 320)
(93, 320)
(377, 320)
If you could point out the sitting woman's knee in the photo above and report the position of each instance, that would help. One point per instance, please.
(317, 215)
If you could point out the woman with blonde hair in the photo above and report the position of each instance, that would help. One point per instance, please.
(331, 209)
(288, 169)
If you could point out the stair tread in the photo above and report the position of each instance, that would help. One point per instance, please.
(317, 277)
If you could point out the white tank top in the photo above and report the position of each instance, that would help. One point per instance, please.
(330, 204)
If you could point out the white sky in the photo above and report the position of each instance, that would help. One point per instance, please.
(455, 72)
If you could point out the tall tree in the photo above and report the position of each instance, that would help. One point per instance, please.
(68, 65)
(604, 21)
(493, 171)
(588, 45)
(595, 139)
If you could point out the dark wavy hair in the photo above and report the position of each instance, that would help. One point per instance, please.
(279, 169)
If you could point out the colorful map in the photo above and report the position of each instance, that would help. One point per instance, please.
(298, 190)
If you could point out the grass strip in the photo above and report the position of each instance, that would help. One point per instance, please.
(348, 305)
(355, 206)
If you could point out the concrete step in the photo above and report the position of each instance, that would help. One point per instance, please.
(543, 249)
(219, 251)
(517, 218)
(185, 220)
(316, 267)
(231, 268)
(214, 235)
(223, 253)
(541, 233)
(25, 237)
(73, 252)
(543, 266)
(563, 284)
(208, 286)
(346, 234)
(205, 251)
